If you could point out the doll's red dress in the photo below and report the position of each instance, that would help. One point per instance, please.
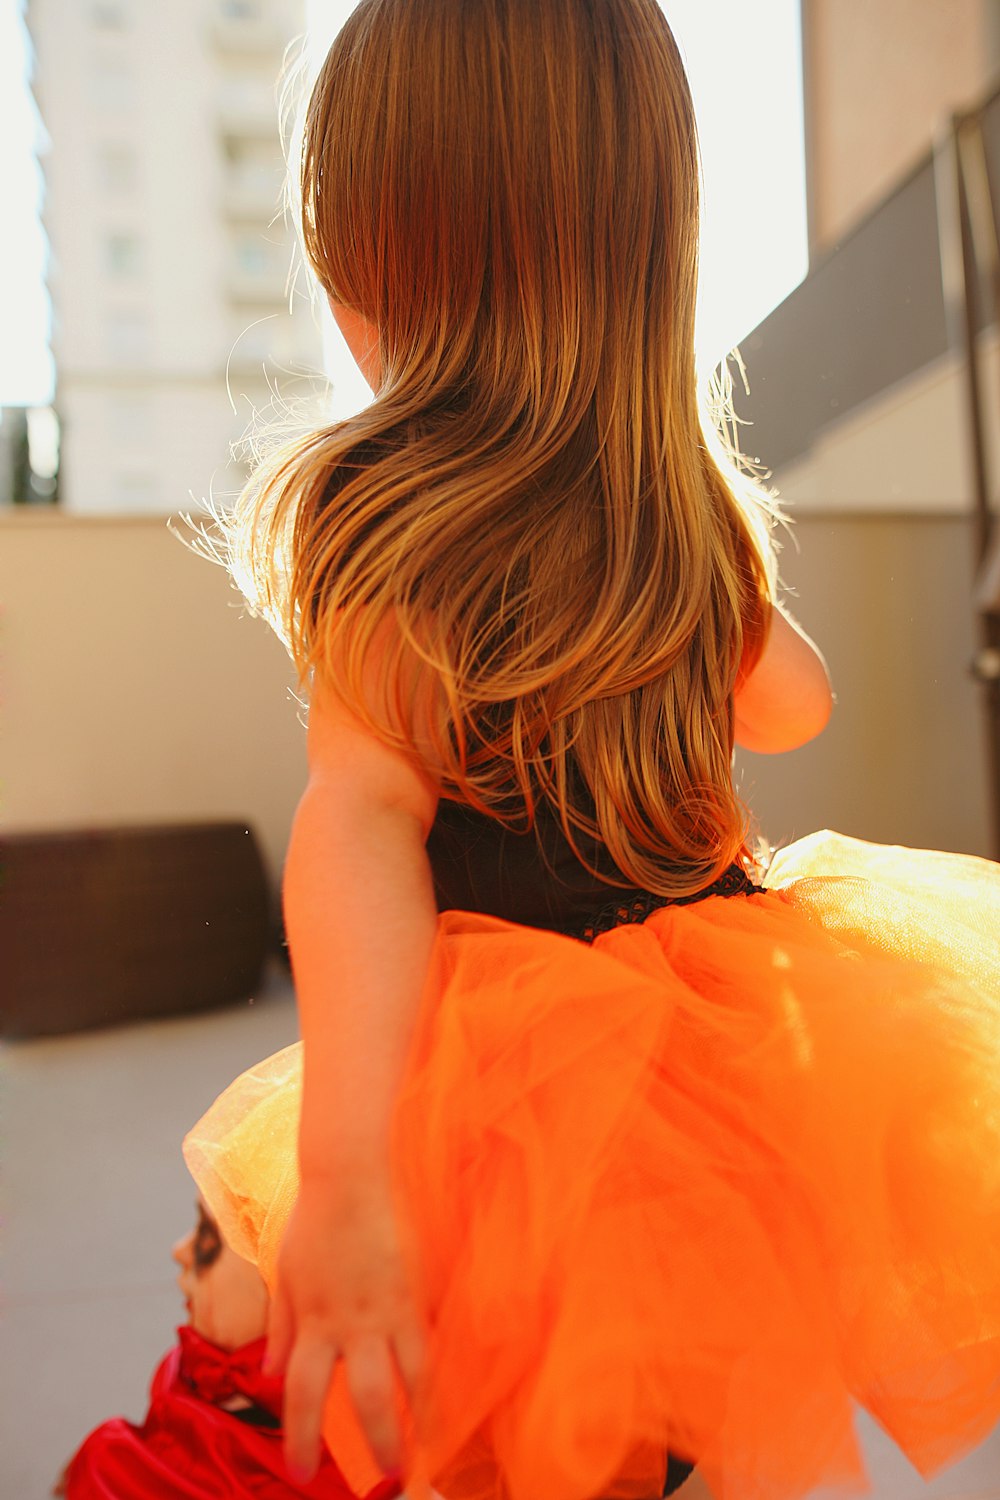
(191, 1447)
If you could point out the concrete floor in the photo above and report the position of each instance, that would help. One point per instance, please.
(94, 1194)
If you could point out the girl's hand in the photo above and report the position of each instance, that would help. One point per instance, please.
(343, 1293)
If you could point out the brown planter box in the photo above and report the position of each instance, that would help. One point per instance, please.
(102, 926)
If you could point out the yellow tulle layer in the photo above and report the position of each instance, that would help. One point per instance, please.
(695, 1187)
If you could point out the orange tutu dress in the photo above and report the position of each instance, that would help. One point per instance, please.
(695, 1186)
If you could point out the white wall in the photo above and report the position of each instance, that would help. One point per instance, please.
(903, 760)
(882, 77)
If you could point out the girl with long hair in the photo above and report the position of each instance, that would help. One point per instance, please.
(605, 1148)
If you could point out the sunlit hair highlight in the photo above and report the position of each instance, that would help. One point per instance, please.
(570, 572)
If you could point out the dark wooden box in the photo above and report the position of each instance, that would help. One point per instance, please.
(102, 926)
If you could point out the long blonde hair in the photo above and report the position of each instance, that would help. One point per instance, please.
(508, 191)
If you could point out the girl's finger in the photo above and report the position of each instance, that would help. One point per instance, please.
(280, 1331)
(310, 1370)
(369, 1369)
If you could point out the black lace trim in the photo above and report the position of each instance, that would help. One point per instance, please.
(678, 1470)
(256, 1416)
(635, 906)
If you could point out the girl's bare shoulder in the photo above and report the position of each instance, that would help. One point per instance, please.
(787, 699)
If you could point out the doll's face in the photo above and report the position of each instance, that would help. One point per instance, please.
(226, 1298)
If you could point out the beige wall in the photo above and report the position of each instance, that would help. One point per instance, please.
(904, 757)
(881, 76)
(133, 688)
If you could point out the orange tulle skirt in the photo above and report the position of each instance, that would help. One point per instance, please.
(696, 1187)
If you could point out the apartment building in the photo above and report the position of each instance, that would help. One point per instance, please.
(170, 258)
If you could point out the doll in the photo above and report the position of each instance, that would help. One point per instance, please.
(213, 1428)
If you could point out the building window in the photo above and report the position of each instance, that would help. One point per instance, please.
(254, 169)
(109, 15)
(130, 422)
(112, 86)
(134, 491)
(127, 336)
(253, 338)
(123, 256)
(254, 256)
(259, 269)
(249, 99)
(240, 10)
(117, 168)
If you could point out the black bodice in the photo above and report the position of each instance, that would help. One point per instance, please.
(536, 879)
(533, 878)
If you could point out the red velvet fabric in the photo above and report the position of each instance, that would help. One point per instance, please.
(190, 1448)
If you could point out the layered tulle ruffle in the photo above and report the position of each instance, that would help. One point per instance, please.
(696, 1186)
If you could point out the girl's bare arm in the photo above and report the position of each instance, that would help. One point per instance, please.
(360, 913)
(361, 921)
(787, 698)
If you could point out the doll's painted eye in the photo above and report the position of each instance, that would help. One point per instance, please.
(207, 1242)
